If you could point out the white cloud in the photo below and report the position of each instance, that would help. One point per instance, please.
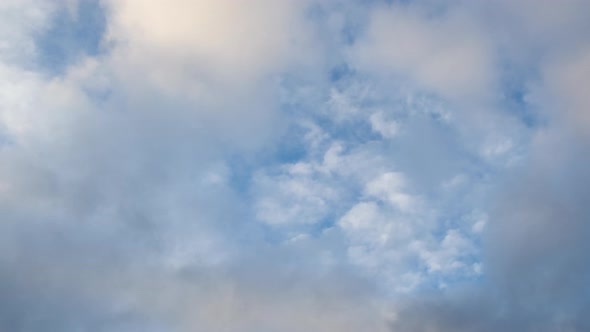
(386, 128)
(446, 53)
(218, 40)
(20, 21)
(447, 256)
(293, 200)
(389, 187)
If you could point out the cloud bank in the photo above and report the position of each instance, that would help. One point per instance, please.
(294, 165)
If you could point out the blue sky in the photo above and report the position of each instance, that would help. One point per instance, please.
(294, 165)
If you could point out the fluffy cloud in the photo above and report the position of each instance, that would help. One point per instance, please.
(445, 53)
(228, 38)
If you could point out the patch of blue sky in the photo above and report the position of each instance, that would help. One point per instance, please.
(5, 138)
(428, 139)
(517, 105)
(240, 172)
(340, 72)
(291, 148)
(71, 36)
(515, 83)
(314, 108)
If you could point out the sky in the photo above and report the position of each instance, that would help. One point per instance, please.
(294, 165)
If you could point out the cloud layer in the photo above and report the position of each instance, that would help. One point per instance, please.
(294, 165)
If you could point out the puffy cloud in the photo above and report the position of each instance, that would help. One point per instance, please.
(445, 53)
(200, 50)
(386, 128)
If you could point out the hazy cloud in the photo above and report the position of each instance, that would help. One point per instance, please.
(294, 166)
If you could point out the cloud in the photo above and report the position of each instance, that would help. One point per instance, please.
(446, 53)
(20, 20)
(220, 40)
(563, 80)
(534, 266)
(117, 202)
(294, 165)
(534, 236)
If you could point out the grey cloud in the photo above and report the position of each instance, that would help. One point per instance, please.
(536, 271)
(535, 244)
(118, 211)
